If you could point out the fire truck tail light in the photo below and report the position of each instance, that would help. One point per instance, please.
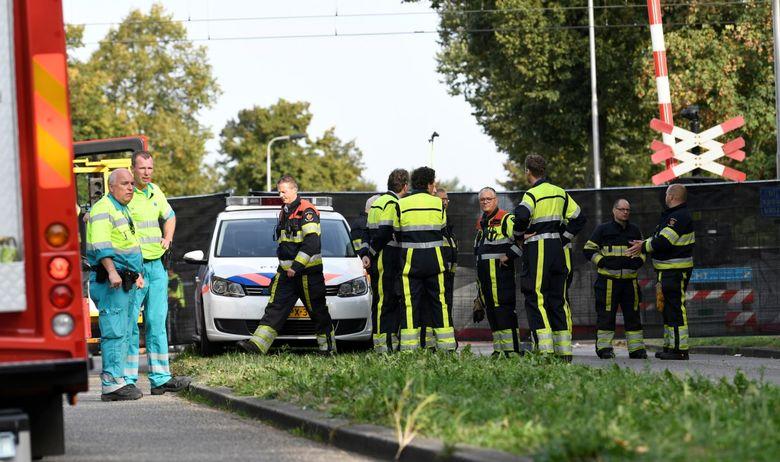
(62, 324)
(59, 268)
(61, 296)
(57, 235)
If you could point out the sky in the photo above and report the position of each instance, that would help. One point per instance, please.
(380, 89)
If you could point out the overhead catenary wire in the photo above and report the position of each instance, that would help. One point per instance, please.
(496, 11)
(337, 34)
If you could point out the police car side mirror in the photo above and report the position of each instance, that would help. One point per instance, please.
(195, 257)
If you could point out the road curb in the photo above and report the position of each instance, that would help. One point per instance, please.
(729, 351)
(369, 440)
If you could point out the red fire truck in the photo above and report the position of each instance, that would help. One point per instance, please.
(43, 351)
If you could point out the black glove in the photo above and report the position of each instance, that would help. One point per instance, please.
(478, 313)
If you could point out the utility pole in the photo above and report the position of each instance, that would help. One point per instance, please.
(594, 100)
(776, 30)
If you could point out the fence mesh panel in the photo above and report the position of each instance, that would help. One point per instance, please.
(735, 288)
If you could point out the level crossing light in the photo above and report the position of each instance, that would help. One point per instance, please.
(292, 137)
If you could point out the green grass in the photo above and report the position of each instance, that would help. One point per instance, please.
(522, 405)
(762, 341)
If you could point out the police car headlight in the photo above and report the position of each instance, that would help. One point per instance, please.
(354, 287)
(63, 324)
(226, 288)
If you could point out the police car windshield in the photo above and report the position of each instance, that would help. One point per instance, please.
(255, 238)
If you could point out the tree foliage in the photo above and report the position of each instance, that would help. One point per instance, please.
(523, 65)
(146, 78)
(322, 164)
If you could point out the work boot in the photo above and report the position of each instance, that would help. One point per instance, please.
(638, 354)
(673, 355)
(126, 393)
(605, 353)
(173, 385)
(249, 346)
(659, 353)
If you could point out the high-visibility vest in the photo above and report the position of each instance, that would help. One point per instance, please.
(147, 208)
(111, 234)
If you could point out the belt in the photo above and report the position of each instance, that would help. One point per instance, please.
(146, 260)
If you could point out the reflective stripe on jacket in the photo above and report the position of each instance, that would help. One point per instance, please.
(110, 234)
(298, 234)
(147, 208)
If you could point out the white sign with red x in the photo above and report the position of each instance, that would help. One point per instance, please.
(712, 150)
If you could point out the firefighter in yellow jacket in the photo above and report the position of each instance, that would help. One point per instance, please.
(420, 226)
(546, 220)
(384, 256)
(299, 275)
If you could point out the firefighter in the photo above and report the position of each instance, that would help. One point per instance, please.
(539, 220)
(616, 283)
(671, 248)
(450, 255)
(298, 276)
(420, 224)
(495, 251)
(385, 253)
(148, 207)
(114, 253)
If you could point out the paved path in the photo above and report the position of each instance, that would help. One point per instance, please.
(168, 428)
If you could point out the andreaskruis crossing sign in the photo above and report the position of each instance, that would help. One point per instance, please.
(712, 150)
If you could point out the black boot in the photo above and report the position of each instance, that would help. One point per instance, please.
(681, 355)
(638, 354)
(665, 350)
(605, 353)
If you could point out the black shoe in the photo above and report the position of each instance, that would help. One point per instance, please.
(249, 346)
(173, 385)
(564, 358)
(665, 350)
(681, 355)
(638, 354)
(126, 393)
(605, 353)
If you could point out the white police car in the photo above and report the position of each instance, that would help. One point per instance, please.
(233, 285)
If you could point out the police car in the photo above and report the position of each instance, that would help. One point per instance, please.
(233, 285)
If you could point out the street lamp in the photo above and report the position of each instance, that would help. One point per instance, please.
(293, 137)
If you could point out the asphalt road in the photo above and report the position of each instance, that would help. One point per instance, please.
(712, 366)
(168, 428)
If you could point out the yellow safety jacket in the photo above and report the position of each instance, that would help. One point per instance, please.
(147, 208)
(548, 211)
(111, 234)
(420, 226)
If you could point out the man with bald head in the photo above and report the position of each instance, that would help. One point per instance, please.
(671, 247)
(616, 284)
(114, 253)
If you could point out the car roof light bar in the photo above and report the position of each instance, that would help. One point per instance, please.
(260, 201)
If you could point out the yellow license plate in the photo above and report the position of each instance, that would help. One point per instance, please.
(299, 312)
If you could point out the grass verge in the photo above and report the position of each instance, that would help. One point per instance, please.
(525, 405)
(757, 341)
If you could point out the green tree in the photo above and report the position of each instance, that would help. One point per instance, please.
(523, 66)
(146, 78)
(323, 164)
